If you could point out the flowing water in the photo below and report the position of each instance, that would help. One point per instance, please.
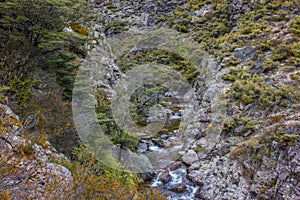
(162, 151)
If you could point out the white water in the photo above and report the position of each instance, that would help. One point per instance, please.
(178, 176)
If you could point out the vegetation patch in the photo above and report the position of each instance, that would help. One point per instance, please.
(295, 26)
(115, 27)
(80, 29)
(248, 89)
(189, 72)
(111, 128)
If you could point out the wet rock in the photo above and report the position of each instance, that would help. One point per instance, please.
(162, 143)
(165, 177)
(168, 193)
(190, 157)
(143, 147)
(178, 188)
(175, 166)
(147, 176)
(187, 181)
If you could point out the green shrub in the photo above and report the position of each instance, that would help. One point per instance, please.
(22, 89)
(116, 27)
(177, 63)
(66, 69)
(295, 26)
(245, 124)
(248, 89)
(110, 127)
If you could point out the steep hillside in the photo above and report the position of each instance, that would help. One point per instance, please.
(225, 77)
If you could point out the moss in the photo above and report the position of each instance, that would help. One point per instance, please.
(295, 76)
(274, 5)
(79, 29)
(248, 89)
(180, 28)
(197, 149)
(236, 74)
(229, 127)
(281, 53)
(196, 4)
(288, 53)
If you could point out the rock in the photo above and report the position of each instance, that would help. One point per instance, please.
(178, 188)
(169, 194)
(174, 166)
(194, 166)
(143, 147)
(147, 176)
(198, 193)
(162, 143)
(244, 54)
(165, 177)
(195, 177)
(190, 157)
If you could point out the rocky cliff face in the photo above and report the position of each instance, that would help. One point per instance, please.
(28, 169)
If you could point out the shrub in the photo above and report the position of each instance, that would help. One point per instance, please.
(115, 27)
(22, 90)
(25, 150)
(295, 26)
(79, 29)
(248, 89)
(177, 63)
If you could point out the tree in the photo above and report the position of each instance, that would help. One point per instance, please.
(31, 31)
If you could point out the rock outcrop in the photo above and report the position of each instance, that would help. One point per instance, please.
(28, 169)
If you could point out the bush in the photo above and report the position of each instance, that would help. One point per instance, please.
(79, 29)
(22, 90)
(295, 26)
(248, 89)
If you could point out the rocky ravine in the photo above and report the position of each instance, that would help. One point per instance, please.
(241, 165)
(221, 171)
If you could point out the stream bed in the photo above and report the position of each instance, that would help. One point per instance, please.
(163, 151)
